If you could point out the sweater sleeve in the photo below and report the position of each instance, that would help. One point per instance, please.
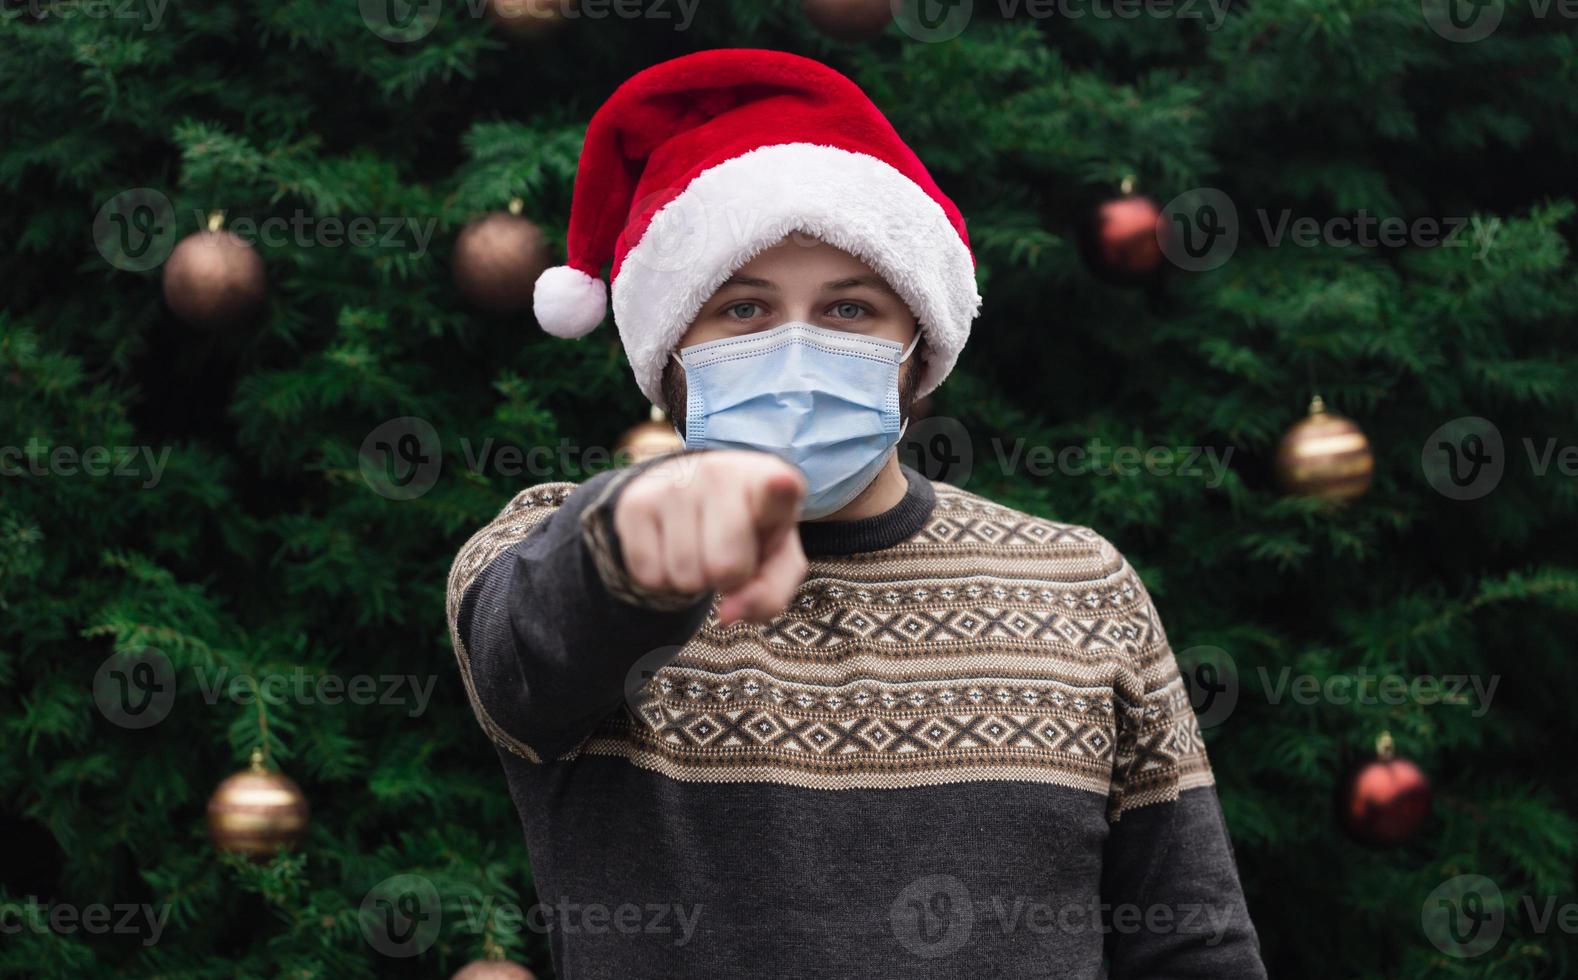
(1171, 897)
(545, 624)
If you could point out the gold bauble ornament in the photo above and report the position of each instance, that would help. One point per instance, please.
(1325, 456)
(849, 20)
(648, 440)
(256, 812)
(498, 258)
(214, 277)
(494, 970)
(528, 20)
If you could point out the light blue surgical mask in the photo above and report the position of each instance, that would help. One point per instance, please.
(824, 400)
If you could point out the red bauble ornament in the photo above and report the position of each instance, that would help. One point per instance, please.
(849, 20)
(1385, 801)
(1126, 235)
(214, 278)
(497, 261)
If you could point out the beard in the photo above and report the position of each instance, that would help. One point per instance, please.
(674, 391)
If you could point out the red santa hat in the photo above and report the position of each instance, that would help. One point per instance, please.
(695, 165)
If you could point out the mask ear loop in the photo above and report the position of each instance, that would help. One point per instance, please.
(911, 348)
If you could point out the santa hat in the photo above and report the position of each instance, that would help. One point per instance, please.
(695, 165)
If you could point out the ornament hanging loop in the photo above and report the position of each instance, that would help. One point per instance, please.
(1385, 748)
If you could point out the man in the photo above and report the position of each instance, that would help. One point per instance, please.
(778, 706)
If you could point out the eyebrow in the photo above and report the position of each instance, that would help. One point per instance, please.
(751, 281)
(874, 282)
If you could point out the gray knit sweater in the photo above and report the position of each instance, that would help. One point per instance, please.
(964, 751)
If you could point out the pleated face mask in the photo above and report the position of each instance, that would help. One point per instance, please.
(824, 400)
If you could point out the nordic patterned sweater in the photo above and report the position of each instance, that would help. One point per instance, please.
(964, 751)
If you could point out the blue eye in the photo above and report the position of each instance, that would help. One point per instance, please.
(743, 310)
(848, 311)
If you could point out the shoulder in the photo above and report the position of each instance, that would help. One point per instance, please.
(1073, 567)
(524, 512)
(966, 520)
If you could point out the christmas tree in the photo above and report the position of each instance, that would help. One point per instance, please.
(233, 474)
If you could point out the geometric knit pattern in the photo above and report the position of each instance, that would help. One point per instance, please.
(991, 645)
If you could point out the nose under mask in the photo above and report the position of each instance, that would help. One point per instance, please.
(824, 400)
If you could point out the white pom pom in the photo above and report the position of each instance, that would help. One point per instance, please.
(568, 302)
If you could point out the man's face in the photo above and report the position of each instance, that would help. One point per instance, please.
(801, 280)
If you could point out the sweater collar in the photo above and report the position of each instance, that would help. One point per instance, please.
(884, 530)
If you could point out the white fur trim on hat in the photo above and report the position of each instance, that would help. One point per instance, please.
(568, 302)
(731, 212)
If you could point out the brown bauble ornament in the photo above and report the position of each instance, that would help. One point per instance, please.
(214, 278)
(1386, 800)
(528, 20)
(498, 258)
(849, 20)
(256, 812)
(1126, 243)
(1325, 456)
(494, 970)
(648, 440)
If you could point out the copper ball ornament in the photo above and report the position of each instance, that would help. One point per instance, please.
(494, 970)
(849, 20)
(648, 440)
(214, 278)
(528, 20)
(1386, 800)
(498, 258)
(256, 812)
(1325, 456)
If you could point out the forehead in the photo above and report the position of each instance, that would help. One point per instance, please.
(800, 258)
